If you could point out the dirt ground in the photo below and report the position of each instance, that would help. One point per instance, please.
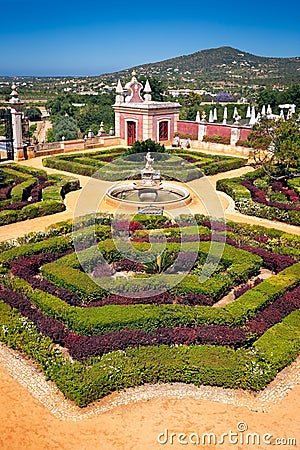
(27, 424)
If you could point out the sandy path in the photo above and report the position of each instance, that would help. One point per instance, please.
(204, 188)
(26, 424)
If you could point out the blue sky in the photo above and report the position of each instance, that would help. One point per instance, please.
(92, 37)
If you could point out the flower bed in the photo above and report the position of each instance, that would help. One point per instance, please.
(198, 364)
(258, 196)
(116, 343)
(29, 193)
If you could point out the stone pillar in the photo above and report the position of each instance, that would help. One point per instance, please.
(117, 124)
(234, 136)
(148, 127)
(176, 120)
(201, 132)
(16, 117)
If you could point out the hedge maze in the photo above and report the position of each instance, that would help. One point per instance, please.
(125, 166)
(26, 193)
(91, 342)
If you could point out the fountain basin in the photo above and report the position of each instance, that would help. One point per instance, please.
(167, 194)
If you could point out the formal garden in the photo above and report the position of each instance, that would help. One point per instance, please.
(124, 162)
(26, 193)
(204, 302)
(91, 341)
(272, 191)
(257, 194)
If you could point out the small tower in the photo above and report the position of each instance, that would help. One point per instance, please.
(16, 117)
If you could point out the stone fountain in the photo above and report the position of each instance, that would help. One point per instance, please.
(150, 182)
(149, 190)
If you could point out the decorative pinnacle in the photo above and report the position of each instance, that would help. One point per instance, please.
(14, 95)
(119, 88)
(147, 88)
(14, 92)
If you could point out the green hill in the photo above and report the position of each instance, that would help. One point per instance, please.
(224, 65)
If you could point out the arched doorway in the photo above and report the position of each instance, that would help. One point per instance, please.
(131, 132)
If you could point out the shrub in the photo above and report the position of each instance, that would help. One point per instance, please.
(243, 143)
(146, 146)
(217, 139)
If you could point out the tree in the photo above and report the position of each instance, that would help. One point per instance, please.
(61, 105)
(33, 114)
(5, 92)
(65, 126)
(50, 135)
(193, 99)
(90, 116)
(268, 97)
(276, 147)
(290, 95)
(274, 97)
(5, 118)
(158, 88)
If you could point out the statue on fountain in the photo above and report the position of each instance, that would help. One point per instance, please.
(149, 176)
(149, 162)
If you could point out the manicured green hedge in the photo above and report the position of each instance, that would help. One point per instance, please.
(31, 211)
(201, 365)
(96, 320)
(88, 163)
(21, 191)
(251, 368)
(68, 166)
(241, 266)
(20, 334)
(52, 245)
(52, 196)
(27, 170)
(243, 202)
(232, 187)
(275, 349)
(8, 216)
